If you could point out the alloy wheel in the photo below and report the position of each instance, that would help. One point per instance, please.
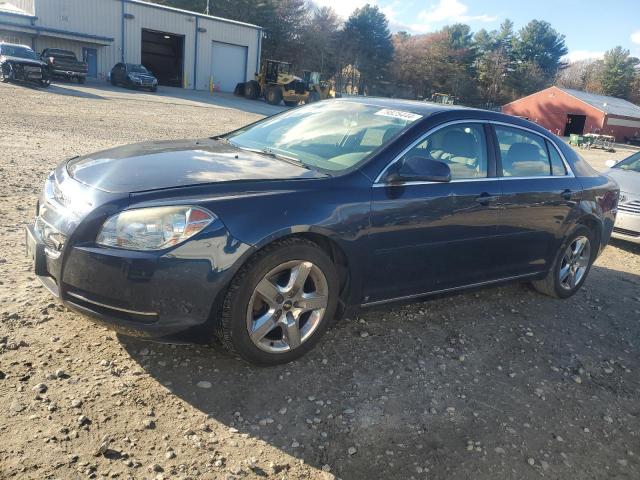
(287, 306)
(575, 263)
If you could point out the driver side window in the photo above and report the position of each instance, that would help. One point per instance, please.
(462, 147)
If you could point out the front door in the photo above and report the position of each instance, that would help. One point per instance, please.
(539, 192)
(90, 56)
(428, 237)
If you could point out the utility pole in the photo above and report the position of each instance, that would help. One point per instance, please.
(206, 12)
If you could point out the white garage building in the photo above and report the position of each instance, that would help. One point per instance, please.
(182, 48)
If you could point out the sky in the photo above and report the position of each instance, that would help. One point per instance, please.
(590, 27)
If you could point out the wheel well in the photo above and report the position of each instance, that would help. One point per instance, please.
(593, 225)
(329, 246)
(337, 255)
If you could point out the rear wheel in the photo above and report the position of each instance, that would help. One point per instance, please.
(280, 303)
(274, 95)
(251, 90)
(572, 265)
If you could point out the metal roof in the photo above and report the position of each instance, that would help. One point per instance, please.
(158, 6)
(608, 105)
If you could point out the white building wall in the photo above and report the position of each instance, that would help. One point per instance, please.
(163, 21)
(227, 33)
(93, 17)
(103, 18)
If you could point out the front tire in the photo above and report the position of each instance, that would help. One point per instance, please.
(274, 95)
(5, 73)
(572, 265)
(280, 303)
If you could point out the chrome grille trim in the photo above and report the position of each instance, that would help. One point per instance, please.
(111, 307)
(52, 238)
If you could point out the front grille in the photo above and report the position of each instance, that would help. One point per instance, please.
(631, 207)
(624, 231)
(52, 238)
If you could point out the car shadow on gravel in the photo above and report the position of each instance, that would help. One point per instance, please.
(71, 92)
(422, 387)
(626, 246)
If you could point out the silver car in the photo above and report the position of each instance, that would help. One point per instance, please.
(627, 173)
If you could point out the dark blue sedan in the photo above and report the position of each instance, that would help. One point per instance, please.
(262, 237)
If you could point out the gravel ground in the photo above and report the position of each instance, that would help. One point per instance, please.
(497, 383)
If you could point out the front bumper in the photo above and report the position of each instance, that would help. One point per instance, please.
(68, 73)
(627, 227)
(166, 296)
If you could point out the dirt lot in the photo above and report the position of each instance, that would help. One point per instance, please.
(494, 384)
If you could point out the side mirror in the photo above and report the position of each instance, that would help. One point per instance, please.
(610, 163)
(420, 169)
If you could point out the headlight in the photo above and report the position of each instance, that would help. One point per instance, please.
(153, 228)
(134, 77)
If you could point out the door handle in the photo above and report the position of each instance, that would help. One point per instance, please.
(486, 198)
(566, 194)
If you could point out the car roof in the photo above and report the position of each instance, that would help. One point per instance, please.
(453, 112)
(15, 45)
(415, 106)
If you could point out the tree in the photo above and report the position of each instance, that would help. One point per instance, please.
(577, 75)
(618, 72)
(367, 42)
(495, 63)
(320, 42)
(537, 42)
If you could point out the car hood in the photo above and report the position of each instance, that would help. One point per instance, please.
(20, 60)
(160, 165)
(628, 181)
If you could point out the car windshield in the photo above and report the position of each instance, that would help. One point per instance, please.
(331, 136)
(631, 163)
(137, 69)
(62, 53)
(18, 51)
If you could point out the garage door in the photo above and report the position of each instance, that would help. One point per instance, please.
(229, 65)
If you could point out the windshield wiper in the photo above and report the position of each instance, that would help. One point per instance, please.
(270, 153)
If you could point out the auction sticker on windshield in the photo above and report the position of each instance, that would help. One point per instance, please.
(408, 116)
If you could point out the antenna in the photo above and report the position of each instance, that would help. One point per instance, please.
(206, 12)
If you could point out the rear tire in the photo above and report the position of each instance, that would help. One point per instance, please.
(274, 328)
(274, 95)
(251, 90)
(570, 269)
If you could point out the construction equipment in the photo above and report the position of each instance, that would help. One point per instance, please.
(275, 83)
(442, 98)
(318, 89)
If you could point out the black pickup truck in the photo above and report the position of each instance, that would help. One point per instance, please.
(64, 64)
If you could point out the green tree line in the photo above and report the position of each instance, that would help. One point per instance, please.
(485, 68)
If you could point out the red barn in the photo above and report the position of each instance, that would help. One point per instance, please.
(565, 111)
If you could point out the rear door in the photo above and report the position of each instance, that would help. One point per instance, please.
(539, 191)
(428, 236)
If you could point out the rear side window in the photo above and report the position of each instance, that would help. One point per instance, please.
(523, 154)
(557, 165)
